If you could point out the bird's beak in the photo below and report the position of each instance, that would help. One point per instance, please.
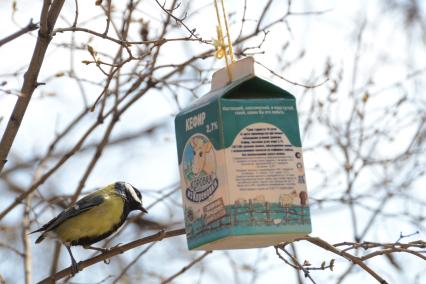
(143, 209)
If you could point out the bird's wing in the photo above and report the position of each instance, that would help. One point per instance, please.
(81, 206)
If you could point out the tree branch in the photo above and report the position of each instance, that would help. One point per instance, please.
(387, 248)
(47, 22)
(113, 252)
(186, 268)
(28, 28)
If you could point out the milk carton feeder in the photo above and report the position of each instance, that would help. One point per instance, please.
(241, 164)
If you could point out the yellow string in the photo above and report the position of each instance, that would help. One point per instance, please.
(220, 42)
(225, 18)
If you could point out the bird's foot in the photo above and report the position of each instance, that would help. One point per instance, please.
(116, 246)
(74, 265)
(107, 261)
(102, 250)
(74, 268)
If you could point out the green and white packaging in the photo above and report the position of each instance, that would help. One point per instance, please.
(241, 164)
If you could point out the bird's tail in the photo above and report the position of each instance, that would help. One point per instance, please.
(40, 239)
(36, 231)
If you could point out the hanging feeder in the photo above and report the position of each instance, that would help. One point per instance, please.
(241, 164)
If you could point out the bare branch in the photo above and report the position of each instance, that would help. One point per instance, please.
(355, 260)
(186, 268)
(30, 27)
(115, 251)
(30, 79)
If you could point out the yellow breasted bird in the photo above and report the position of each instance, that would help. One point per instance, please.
(93, 217)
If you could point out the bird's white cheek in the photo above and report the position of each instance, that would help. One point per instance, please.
(133, 193)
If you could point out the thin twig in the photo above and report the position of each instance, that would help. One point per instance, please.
(186, 268)
(28, 28)
(323, 244)
(125, 269)
(26, 241)
(289, 81)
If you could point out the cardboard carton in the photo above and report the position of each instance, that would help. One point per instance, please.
(241, 164)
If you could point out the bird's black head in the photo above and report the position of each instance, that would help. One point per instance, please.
(133, 196)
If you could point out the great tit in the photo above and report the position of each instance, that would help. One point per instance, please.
(93, 217)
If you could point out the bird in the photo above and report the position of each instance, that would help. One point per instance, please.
(93, 218)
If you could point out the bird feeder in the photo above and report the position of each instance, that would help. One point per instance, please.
(241, 164)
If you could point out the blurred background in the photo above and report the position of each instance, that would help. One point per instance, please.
(356, 68)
